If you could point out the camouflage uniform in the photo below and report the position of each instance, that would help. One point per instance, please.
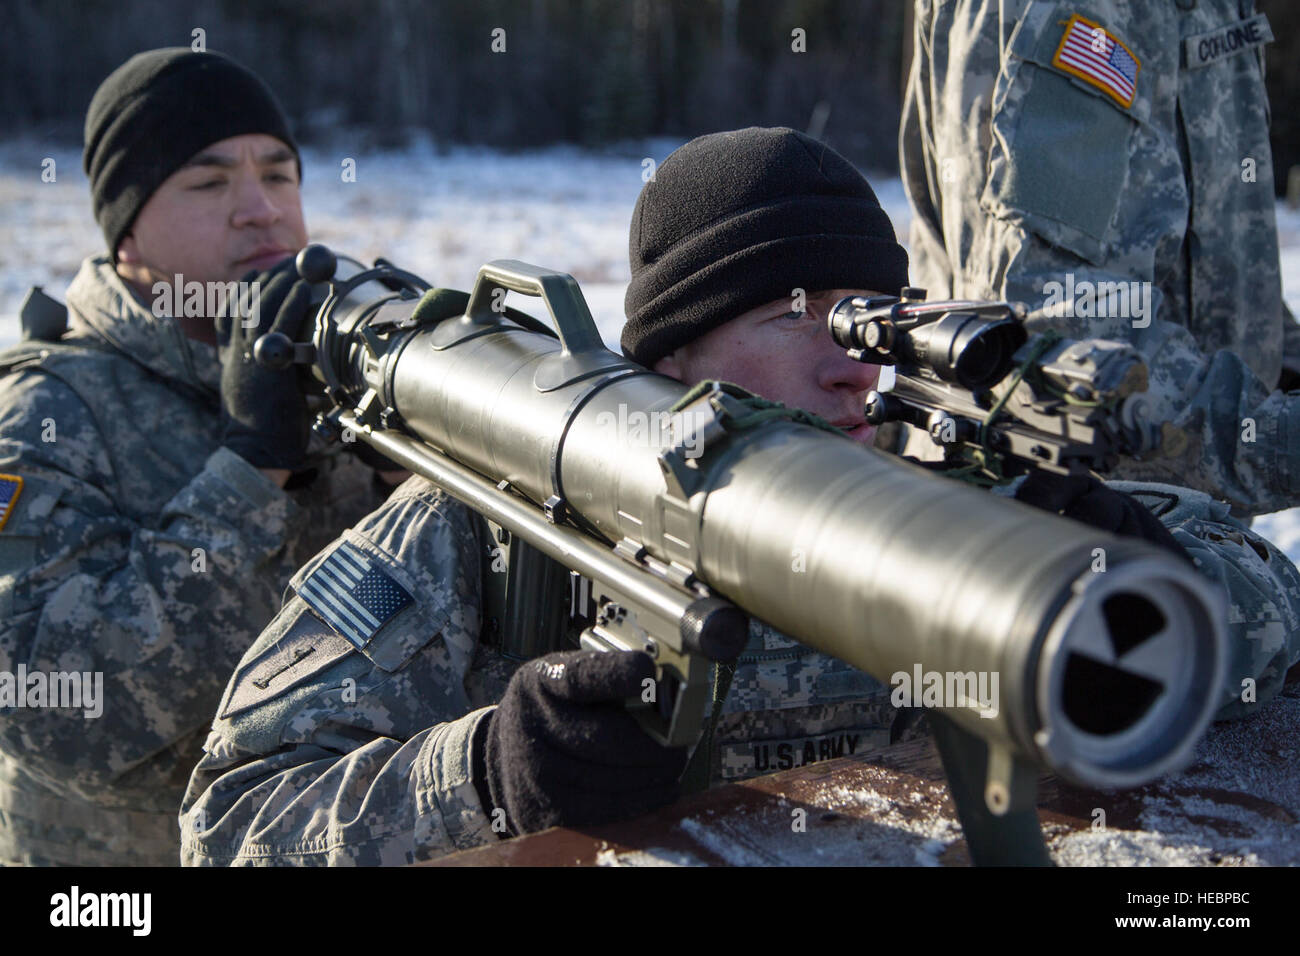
(1021, 172)
(352, 744)
(139, 548)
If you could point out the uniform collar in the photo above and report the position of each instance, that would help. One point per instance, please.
(101, 305)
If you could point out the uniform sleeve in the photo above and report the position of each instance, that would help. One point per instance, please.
(344, 739)
(1261, 584)
(1216, 425)
(1125, 221)
(151, 616)
(919, 168)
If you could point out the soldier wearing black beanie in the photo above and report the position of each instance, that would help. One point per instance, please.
(733, 220)
(156, 111)
(157, 534)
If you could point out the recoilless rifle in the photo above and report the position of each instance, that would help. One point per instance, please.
(739, 508)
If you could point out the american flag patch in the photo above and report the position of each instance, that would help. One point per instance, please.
(10, 487)
(1099, 58)
(352, 594)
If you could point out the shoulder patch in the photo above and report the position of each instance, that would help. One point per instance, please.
(1091, 53)
(353, 594)
(306, 650)
(11, 487)
(1159, 503)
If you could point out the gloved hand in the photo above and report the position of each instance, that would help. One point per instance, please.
(562, 750)
(1085, 499)
(264, 415)
(368, 456)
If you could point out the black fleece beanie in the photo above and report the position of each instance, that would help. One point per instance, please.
(733, 220)
(154, 113)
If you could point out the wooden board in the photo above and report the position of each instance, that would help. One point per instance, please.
(1236, 803)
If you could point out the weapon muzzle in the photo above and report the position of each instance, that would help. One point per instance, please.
(1128, 674)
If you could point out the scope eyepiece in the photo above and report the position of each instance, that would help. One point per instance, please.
(968, 348)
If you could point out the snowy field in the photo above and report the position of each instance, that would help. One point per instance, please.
(441, 215)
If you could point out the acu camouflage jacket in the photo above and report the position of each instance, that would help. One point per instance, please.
(140, 556)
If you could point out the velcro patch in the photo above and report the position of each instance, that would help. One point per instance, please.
(11, 487)
(1228, 40)
(353, 594)
(1159, 503)
(1092, 53)
(302, 653)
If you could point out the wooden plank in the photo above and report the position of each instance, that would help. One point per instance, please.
(1238, 802)
(753, 821)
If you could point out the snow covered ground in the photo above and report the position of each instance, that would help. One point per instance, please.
(441, 215)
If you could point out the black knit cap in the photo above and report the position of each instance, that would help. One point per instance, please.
(733, 220)
(154, 113)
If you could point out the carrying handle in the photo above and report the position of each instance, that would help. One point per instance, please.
(558, 290)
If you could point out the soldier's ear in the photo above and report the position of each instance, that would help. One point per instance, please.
(671, 365)
(130, 265)
(127, 251)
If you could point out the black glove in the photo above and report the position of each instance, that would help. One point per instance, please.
(264, 415)
(368, 456)
(1085, 499)
(561, 749)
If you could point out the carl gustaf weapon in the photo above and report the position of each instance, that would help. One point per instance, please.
(731, 507)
